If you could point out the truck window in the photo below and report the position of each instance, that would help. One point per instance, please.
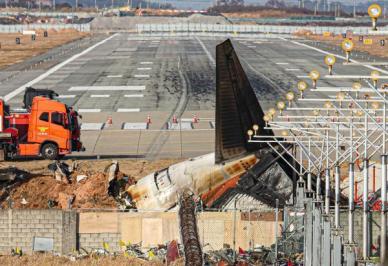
(57, 118)
(44, 117)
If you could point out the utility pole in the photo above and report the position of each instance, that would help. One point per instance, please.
(53, 5)
(354, 8)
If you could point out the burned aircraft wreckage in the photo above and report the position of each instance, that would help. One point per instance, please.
(237, 167)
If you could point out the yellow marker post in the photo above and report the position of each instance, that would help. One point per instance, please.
(302, 86)
(347, 45)
(314, 75)
(330, 61)
(368, 41)
(374, 12)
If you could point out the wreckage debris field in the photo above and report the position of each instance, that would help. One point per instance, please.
(35, 186)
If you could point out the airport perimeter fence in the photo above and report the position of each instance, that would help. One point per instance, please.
(197, 28)
(26, 27)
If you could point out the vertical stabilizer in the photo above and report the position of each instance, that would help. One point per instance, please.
(237, 107)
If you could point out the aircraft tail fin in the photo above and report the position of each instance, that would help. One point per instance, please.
(237, 107)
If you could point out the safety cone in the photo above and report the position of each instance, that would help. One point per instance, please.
(195, 119)
(148, 119)
(174, 120)
(109, 121)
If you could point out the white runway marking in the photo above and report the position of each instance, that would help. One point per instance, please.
(66, 96)
(251, 46)
(114, 76)
(211, 59)
(135, 126)
(92, 126)
(282, 63)
(15, 92)
(293, 69)
(146, 63)
(303, 77)
(89, 110)
(142, 76)
(352, 77)
(99, 96)
(144, 68)
(108, 88)
(124, 49)
(133, 95)
(128, 110)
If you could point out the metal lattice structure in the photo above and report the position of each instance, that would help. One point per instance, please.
(334, 130)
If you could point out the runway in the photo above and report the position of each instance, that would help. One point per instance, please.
(129, 78)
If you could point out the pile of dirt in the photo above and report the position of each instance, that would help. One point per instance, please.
(41, 190)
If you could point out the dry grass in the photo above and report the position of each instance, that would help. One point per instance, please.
(374, 49)
(11, 53)
(49, 260)
(261, 14)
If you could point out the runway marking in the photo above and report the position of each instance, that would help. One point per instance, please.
(303, 76)
(89, 110)
(144, 68)
(352, 77)
(15, 92)
(123, 49)
(293, 69)
(366, 63)
(336, 55)
(99, 96)
(107, 88)
(146, 63)
(114, 76)
(142, 76)
(128, 110)
(282, 63)
(251, 46)
(211, 59)
(133, 95)
(92, 126)
(135, 126)
(66, 96)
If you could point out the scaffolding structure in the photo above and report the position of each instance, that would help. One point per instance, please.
(333, 129)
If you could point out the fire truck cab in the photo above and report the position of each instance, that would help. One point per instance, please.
(49, 129)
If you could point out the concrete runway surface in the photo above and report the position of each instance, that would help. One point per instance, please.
(128, 78)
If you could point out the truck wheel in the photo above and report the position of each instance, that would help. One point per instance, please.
(50, 151)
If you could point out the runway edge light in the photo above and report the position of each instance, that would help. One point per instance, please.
(374, 11)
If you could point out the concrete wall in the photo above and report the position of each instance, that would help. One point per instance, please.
(215, 229)
(375, 226)
(19, 227)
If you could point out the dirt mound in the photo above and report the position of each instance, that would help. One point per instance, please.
(41, 190)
